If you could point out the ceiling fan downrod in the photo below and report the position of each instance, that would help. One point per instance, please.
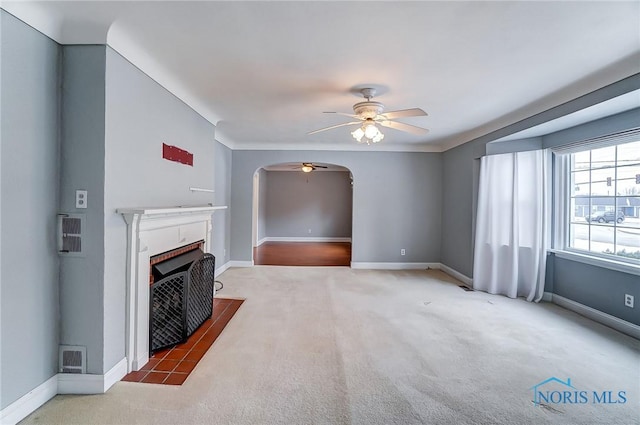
(368, 93)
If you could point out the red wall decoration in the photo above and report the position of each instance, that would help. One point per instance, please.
(174, 153)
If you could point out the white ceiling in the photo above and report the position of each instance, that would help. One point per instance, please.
(264, 72)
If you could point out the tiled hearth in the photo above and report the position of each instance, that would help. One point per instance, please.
(172, 366)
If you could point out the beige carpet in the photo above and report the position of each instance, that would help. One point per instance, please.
(342, 346)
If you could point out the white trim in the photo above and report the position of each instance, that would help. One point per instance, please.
(76, 383)
(25, 405)
(592, 260)
(547, 297)
(255, 208)
(115, 374)
(143, 359)
(456, 274)
(301, 239)
(394, 266)
(169, 211)
(200, 189)
(222, 269)
(240, 263)
(598, 316)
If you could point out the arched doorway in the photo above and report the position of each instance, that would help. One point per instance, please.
(302, 214)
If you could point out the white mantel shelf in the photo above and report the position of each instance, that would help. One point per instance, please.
(169, 210)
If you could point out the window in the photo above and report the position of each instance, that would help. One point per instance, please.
(602, 215)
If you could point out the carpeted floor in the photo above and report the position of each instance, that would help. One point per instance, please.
(343, 346)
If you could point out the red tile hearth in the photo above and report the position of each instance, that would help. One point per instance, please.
(172, 366)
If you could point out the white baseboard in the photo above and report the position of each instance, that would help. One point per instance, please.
(61, 383)
(302, 239)
(25, 405)
(240, 263)
(76, 383)
(222, 269)
(598, 316)
(547, 296)
(142, 360)
(115, 374)
(456, 274)
(394, 266)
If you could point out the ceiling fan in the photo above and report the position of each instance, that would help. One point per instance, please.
(308, 167)
(370, 113)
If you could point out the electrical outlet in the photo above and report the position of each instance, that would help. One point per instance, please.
(81, 199)
(224, 254)
(628, 300)
(402, 251)
(309, 231)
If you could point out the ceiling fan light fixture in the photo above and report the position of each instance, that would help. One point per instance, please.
(378, 137)
(371, 113)
(307, 168)
(358, 134)
(369, 132)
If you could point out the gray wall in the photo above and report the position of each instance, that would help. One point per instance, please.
(28, 206)
(296, 202)
(520, 145)
(140, 115)
(460, 191)
(222, 219)
(396, 201)
(82, 167)
(596, 287)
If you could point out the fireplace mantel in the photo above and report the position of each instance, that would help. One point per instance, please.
(151, 231)
(164, 211)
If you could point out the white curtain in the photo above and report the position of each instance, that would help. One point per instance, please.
(513, 224)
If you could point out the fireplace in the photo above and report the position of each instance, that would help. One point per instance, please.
(153, 231)
(181, 295)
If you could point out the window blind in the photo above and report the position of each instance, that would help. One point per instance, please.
(628, 136)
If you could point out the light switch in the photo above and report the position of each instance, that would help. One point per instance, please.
(81, 199)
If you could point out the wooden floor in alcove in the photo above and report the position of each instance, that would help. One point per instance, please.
(303, 254)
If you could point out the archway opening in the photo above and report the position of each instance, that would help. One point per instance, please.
(302, 214)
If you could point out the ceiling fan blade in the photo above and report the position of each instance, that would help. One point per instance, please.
(334, 126)
(343, 113)
(320, 166)
(404, 127)
(413, 112)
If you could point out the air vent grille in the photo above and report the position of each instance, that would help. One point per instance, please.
(71, 225)
(73, 359)
(71, 243)
(70, 234)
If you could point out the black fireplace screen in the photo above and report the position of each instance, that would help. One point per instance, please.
(200, 292)
(167, 311)
(180, 303)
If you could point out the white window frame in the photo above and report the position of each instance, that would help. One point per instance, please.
(562, 200)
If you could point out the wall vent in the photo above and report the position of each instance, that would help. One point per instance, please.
(73, 359)
(70, 234)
